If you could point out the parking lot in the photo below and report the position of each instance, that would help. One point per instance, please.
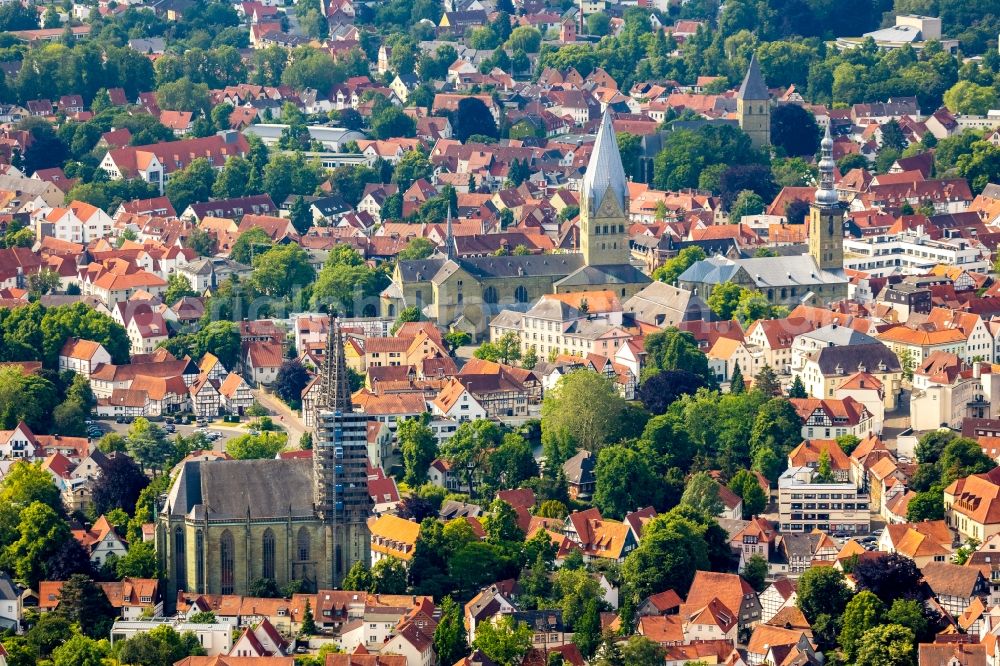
(226, 432)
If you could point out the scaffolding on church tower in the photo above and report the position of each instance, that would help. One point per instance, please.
(335, 386)
(340, 459)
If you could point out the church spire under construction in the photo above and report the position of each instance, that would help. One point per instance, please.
(335, 390)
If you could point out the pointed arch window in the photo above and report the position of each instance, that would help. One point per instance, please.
(267, 543)
(199, 560)
(179, 555)
(227, 562)
(490, 295)
(304, 545)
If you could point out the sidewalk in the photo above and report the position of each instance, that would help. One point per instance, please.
(283, 416)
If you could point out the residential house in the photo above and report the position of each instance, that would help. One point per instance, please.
(972, 505)
(155, 163)
(831, 418)
(580, 478)
(734, 593)
(235, 394)
(261, 362)
(134, 598)
(393, 537)
(598, 538)
(82, 356)
(206, 402)
(955, 586)
(101, 541)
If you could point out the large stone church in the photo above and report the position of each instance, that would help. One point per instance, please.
(227, 523)
(468, 292)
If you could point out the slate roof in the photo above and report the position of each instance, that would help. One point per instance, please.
(593, 276)
(605, 171)
(229, 488)
(753, 87)
(870, 356)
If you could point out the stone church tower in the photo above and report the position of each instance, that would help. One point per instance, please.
(227, 523)
(826, 216)
(340, 462)
(753, 106)
(604, 202)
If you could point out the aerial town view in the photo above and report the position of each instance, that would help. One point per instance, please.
(499, 333)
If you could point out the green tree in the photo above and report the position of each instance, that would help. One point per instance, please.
(282, 269)
(736, 383)
(744, 483)
(191, 184)
(147, 444)
(506, 350)
(724, 299)
(587, 629)
(406, 315)
(43, 282)
(450, 642)
(968, 97)
(202, 242)
(472, 117)
(392, 122)
(28, 398)
(766, 381)
(359, 577)
(824, 472)
(672, 349)
(624, 481)
(39, 535)
(501, 524)
(418, 446)
(585, 406)
(887, 645)
(701, 492)
(300, 215)
(794, 130)
(552, 509)
(927, 505)
(417, 248)
(466, 449)
(82, 602)
(672, 268)
(308, 627)
(178, 287)
(139, 562)
(49, 632)
(162, 646)
(862, 613)
(81, 651)
(503, 640)
(755, 572)
(639, 651)
(747, 203)
(389, 576)
(822, 597)
(264, 446)
(911, 614)
(798, 389)
(598, 24)
(673, 547)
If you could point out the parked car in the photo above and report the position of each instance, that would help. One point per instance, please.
(119, 419)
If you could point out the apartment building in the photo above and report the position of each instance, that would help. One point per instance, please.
(804, 506)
